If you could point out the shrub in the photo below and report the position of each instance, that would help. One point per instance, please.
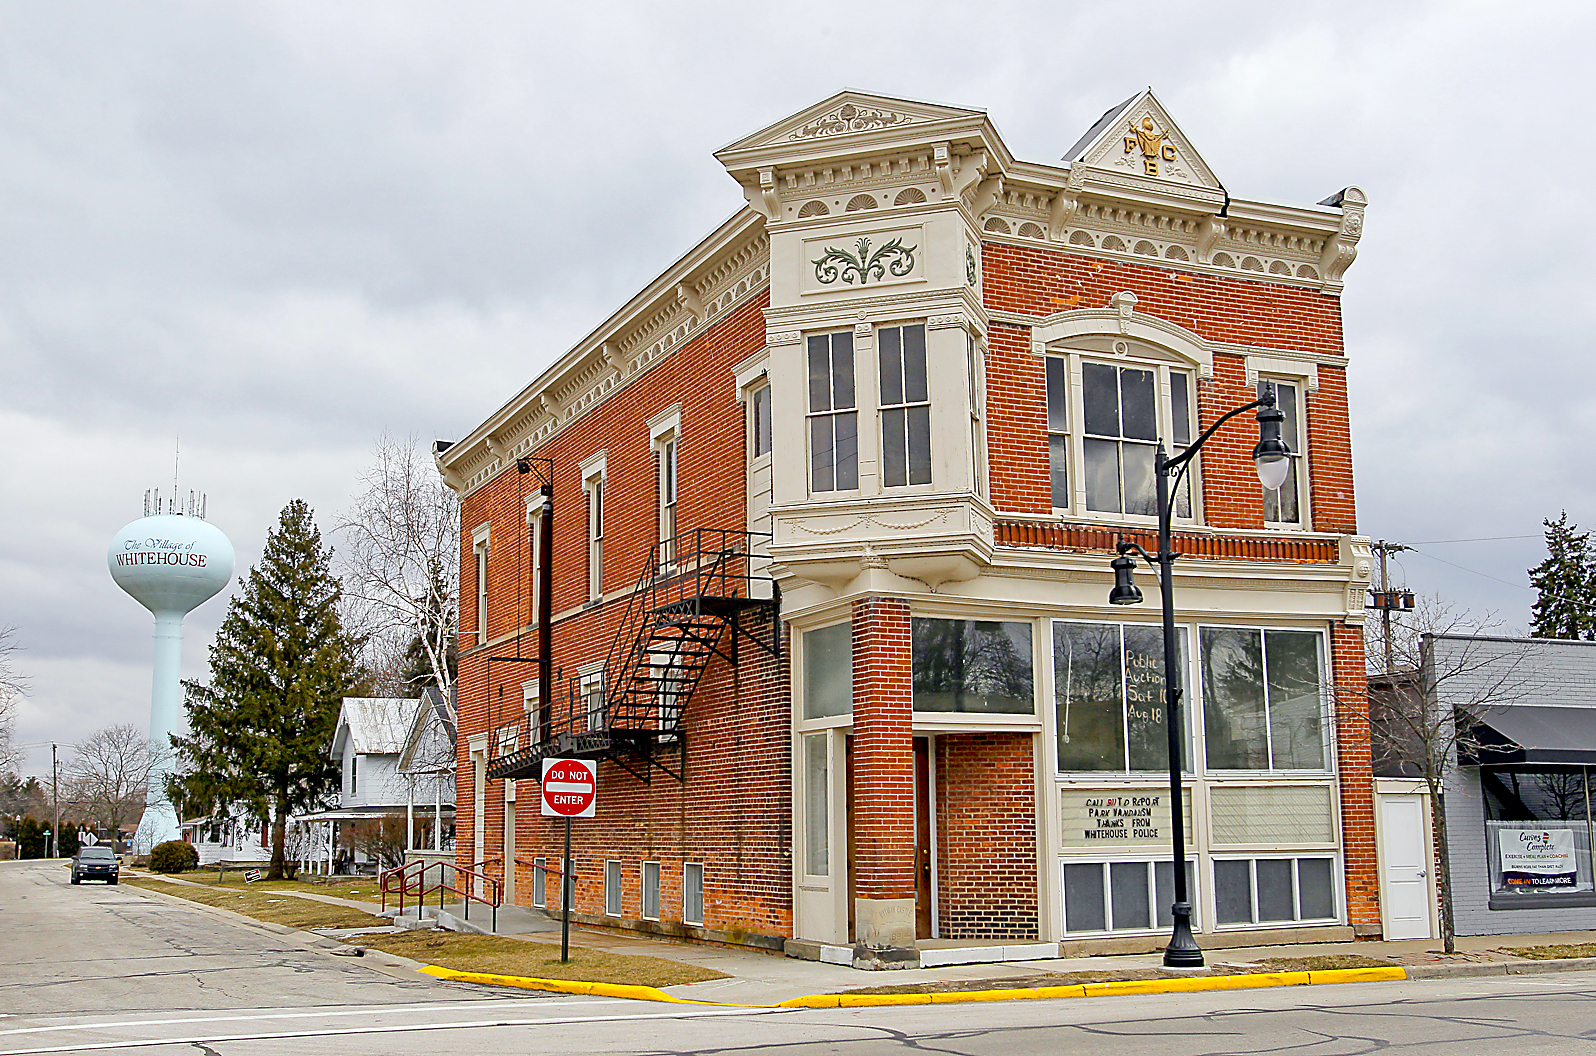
(173, 856)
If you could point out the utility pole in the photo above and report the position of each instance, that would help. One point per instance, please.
(55, 794)
(1386, 599)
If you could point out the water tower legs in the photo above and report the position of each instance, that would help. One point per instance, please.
(160, 821)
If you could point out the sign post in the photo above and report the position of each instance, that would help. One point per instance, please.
(569, 790)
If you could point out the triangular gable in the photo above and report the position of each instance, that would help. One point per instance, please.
(847, 113)
(1138, 141)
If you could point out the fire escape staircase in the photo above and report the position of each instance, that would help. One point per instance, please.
(700, 595)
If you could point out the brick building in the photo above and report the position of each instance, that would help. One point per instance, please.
(834, 499)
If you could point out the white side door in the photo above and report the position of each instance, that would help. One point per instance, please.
(1406, 865)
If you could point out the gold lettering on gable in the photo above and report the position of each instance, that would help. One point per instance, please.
(1150, 143)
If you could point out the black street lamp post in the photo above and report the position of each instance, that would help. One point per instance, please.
(1273, 461)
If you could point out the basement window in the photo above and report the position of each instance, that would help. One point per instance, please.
(693, 893)
(612, 889)
(650, 890)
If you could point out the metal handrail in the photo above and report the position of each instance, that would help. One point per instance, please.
(416, 883)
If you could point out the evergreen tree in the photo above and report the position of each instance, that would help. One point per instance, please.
(1565, 583)
(280, 667)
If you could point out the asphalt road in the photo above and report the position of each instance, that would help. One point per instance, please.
(91, 969)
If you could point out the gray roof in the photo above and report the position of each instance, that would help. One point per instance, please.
(1074, 153)
(376, 725)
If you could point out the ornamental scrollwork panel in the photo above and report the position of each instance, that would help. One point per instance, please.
(864, 265)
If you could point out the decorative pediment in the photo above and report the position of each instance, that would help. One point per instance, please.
(845, 114)
(1137, 143)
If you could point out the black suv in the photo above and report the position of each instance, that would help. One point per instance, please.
(95, 863)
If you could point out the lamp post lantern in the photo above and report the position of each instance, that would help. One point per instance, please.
(1272, 458)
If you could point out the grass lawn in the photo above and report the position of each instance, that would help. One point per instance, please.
(504, 956)
(1325, 963)
(360, 889)
(1552, 953)
(262, 902)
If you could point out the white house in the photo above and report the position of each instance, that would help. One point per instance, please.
(371, 735)
(427, 765)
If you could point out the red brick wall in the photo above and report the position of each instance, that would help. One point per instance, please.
(1041, 282)
(986, 837)
(734, 811)
(883, 750)
(1355, 763)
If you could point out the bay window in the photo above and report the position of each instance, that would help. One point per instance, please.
(905, 406)
(833, 413)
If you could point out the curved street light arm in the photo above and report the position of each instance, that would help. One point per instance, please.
(1183, 460)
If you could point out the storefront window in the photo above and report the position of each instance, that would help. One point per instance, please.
(1109, 681)
(973, 666)
(1263, 703)
(1537, 835)
(828, 671)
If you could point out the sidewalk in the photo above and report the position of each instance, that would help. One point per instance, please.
(758, 978)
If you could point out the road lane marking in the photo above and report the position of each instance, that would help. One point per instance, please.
(265, 1015)
(406, 1028)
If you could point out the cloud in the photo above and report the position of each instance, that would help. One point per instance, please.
(280, 229)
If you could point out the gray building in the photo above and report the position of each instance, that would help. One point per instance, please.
(1517, 795)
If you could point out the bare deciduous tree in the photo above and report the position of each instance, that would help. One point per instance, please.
(400, 557)
(1439, 674)
(11, 686)
(109, 775)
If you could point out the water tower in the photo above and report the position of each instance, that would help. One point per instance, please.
(171, 560)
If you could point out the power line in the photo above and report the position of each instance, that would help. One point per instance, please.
(1472, 571)
(1482, 539)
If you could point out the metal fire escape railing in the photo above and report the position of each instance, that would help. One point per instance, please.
(698, 596)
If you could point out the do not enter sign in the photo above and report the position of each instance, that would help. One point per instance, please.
(570, 788)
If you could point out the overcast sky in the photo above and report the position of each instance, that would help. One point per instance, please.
(279, 230)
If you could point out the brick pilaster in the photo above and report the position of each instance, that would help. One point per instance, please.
(883, 751)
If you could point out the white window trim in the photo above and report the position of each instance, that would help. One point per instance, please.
(481, 544)
(880, 408)
(659, 901)
(540, 883)
(588, 676)
(593, 474)
(534, 539)
(665, 436)
(749, 376)
(1337, 881)
(1199, 704)
(701, 911)
(863, 337)
(1305, 384)
(1149, 860)
(620, 888)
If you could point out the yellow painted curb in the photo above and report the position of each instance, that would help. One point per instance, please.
(1114, 989)
(1129, 986)
(564, 986)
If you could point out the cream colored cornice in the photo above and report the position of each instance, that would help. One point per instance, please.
(722, 271)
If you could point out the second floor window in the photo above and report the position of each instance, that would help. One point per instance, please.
(1122, 420)
(905, 406)
(667, 497)
(833, 414)
(1284, 506)
(480, 552)
(759, 421)
(595, 538)
(1058, 429)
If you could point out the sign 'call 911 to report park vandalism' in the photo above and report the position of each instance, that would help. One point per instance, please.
(570, 788)
(1538, 859)
(1122, 817)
